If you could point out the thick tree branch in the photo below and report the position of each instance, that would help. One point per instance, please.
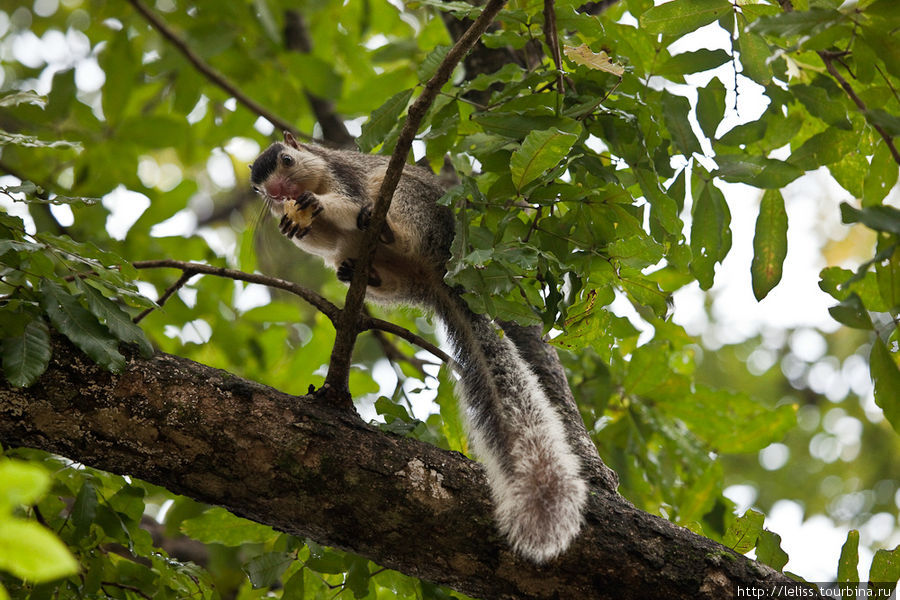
(307, 467)
(210, 73)
(348, 327)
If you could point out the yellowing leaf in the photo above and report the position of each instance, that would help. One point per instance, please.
(582, 55)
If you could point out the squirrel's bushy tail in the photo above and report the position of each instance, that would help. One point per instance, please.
(538, 490)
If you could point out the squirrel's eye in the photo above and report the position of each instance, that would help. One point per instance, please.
(287, 160)
(257, 190)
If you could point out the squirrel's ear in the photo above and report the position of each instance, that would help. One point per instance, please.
(290, 140)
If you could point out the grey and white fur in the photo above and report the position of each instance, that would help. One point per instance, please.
(324, 199)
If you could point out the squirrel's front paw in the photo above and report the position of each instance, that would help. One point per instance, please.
(299, 215)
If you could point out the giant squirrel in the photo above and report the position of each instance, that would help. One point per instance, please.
(324, 198)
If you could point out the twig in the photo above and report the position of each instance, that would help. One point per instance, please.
(213, 75)
(123, 586)
(185, 277)
(832, 70)
(392, 352)
(316, 300)
(552, 38)
(826, 57)
(348, 327)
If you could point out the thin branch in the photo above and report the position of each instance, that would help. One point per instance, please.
(185, 277)
(348, 328)
(210, 73)
(316, 300)
(832, 70)
(552, 38)
(392, 352)
(123, 586)
(827, 57)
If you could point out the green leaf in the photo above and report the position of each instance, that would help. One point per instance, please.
(881, 176)
(322, 560)
(648, 370)
(80, 326)
(886, 376)
(710, 234)
(116, 320)
(769, 551)
(675, 111)
(217, 525)
(744, 531)
(693, 62)
(33, 553)
(294, 587)
(266, 569)
(824, 148)
(848, 571)
(746, 133)
(816, 99)
(84, 510)
(887, 274)
(790, 24)
(540, 152)
(769, 244)
(885, 572)
(26, 356)
(518, 126)
(755, 55)
(879, 218)
(358, 576)
(664, 208)
(391, 410)
(319, 77)
(731, 422)
(683, 16)
(637, 251)
(758, 171)
(117, 61)
(646, 292)
(886, 121)
(21, 484)
(851, 312)
(586, 325)
(710, 106)
(383, 120)
(429, 65)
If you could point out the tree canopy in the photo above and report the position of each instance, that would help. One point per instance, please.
(591, 152)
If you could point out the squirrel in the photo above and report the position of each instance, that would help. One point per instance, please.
(324, 198)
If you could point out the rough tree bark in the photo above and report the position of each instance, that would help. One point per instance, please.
(305, 467)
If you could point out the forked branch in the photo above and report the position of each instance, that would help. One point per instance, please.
(318, 301)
